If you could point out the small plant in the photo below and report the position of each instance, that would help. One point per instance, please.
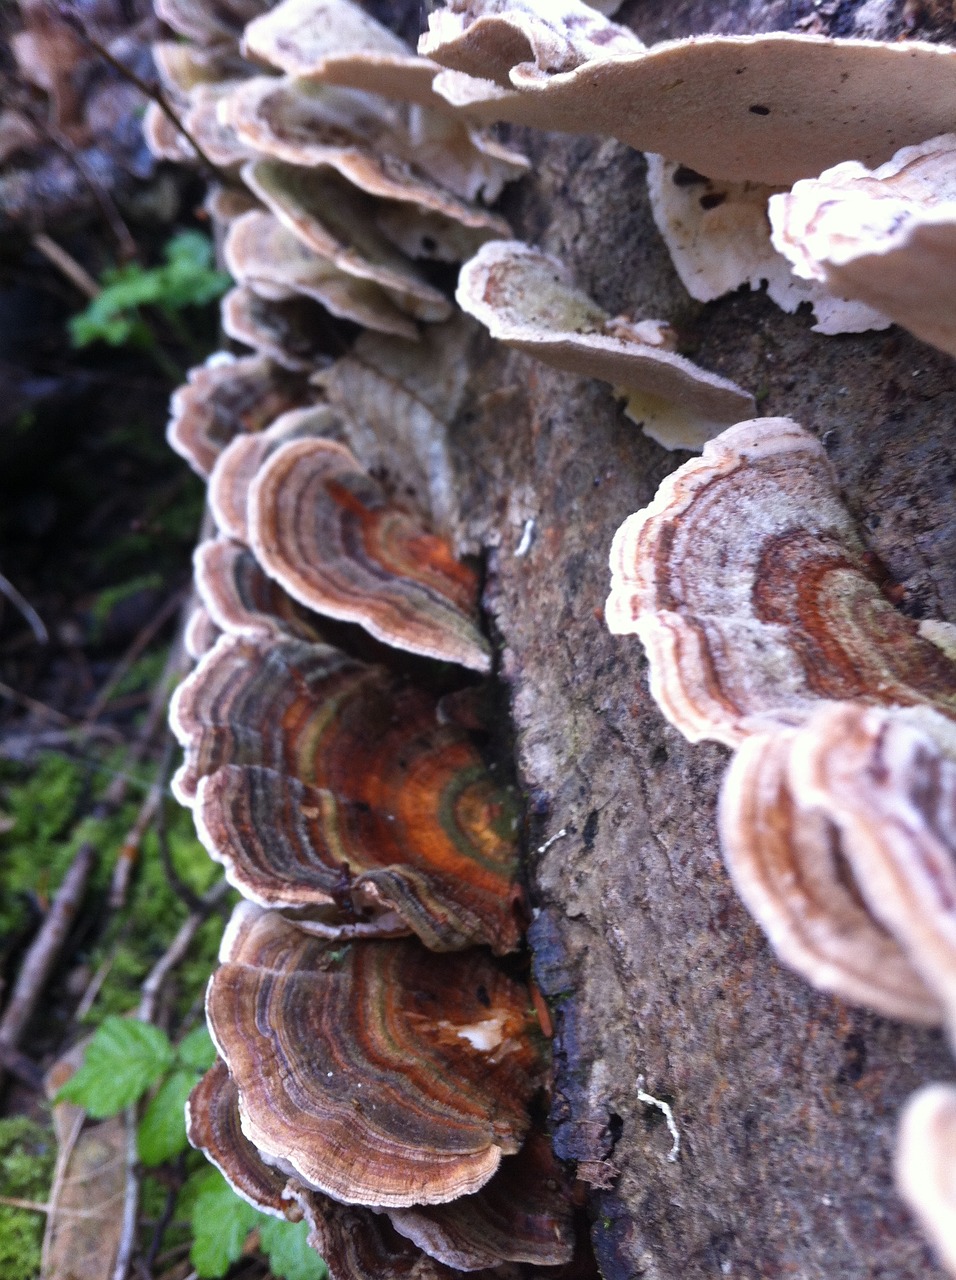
(125, 1060)
(187, 278)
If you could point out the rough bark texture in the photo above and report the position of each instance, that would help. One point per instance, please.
(786, 1100)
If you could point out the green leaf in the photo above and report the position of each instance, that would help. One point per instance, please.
(122, 1061)
(290, 1255)
(197, 1050)
(220, 1220)
(162, 1130)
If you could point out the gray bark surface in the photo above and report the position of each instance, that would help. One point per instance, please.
(786, 1100)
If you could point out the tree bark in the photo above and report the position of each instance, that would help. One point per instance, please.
(786, 1100)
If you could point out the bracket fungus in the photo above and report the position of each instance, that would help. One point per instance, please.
(445, 1055)
(926, 1165)
(755, 598)
(768, 108)
(225, 397)
(788, 860)
(240, 599)
(718, 236)
(886, 236)
(336, 221)
(527, 300)
(325, 529)
(274, 263)
(287, 330)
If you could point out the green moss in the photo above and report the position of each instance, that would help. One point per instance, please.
(27, 1153)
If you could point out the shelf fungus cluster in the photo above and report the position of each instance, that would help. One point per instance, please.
(729, 124)
(384, 1097)
(769, 628)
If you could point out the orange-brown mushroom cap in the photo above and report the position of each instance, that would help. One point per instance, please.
(331, 789)
(323, 527)
(380, 1076)
(754, 597)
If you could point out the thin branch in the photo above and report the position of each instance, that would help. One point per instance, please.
(67, 265)
(141, 642)
(153, 92)
(26, 608)
(45, 949)
(41, 708)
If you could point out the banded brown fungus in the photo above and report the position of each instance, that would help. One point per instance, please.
(755, 598)
(223, 398)
(240, 599)
(527, 300)
(213, 1127)
(445, 1055)
(236, 466)
(926, 1166)
(787, 858)
(325, 529)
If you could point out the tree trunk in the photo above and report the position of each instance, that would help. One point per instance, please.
(786, 1101)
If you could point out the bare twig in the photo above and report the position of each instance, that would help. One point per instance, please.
(19, 1065)
(153, 92)
(41, 708)
(176, 951)
(30, 614)
(142, 641)
(130, 1199)
(67, 264)
(45, 948)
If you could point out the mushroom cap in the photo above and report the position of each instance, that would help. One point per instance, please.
(926, 1165)
(212, 1126)
(445, 1055)
(261, 253)
(209, 23)
(181, 66)
(238, 463)
(887, 236)
(253, 700)
(718, 237)
(524, 1214)
(336, 221)
(486, 40)
(887, 780)
(164, 139)
(200, 633)
(307, 123)
(324, 528)
(202, 118)
(290, 331)
(396, 825)
(788, 862)
(336, 41)
(223, 398)
(355, 1241)
(754, 597)
(241, 600)
(527, 300)
(769, 108)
